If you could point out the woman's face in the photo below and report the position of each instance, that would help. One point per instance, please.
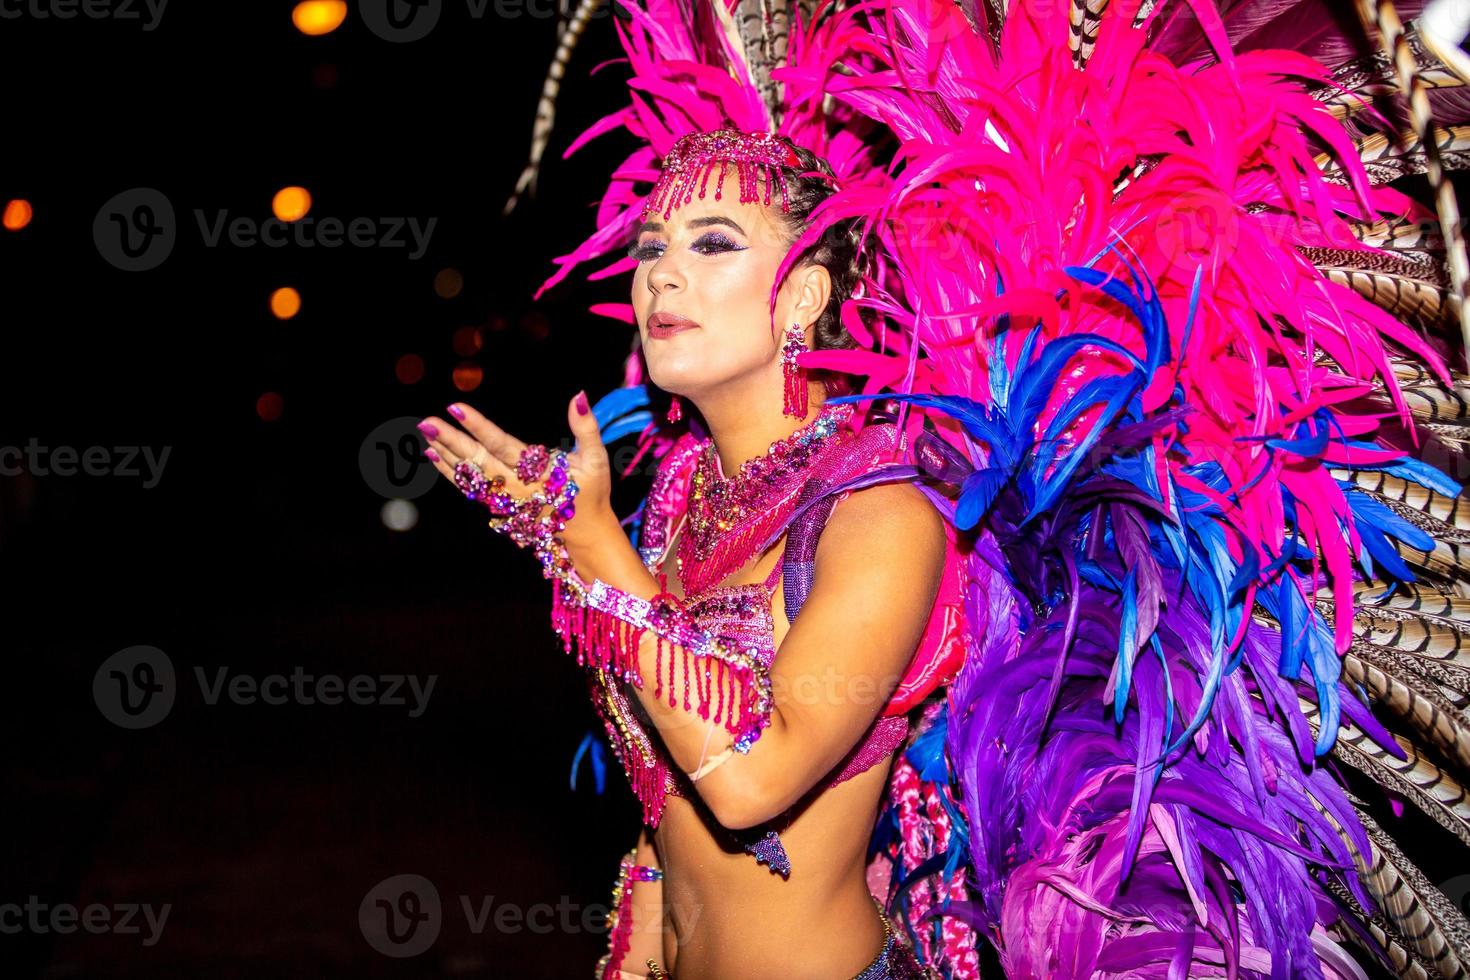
(713, 262)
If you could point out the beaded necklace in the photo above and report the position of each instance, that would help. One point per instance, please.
(727, 518)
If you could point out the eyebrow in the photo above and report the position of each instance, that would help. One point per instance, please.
(692, 223)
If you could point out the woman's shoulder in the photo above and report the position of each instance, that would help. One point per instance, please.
(897, 507)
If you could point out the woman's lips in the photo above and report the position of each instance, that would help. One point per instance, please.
(661, 326)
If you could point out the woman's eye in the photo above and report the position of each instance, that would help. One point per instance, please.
(642, 251)
(711, 244)
(716, 242)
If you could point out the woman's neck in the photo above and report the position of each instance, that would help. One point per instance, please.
(744, 428)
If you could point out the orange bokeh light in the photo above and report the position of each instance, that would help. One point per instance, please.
(316, 17)
(468, 375)
(17, 214)
(269, 406)
(467, 341)
(285, 303)
(291, 203)
(409, 369)
(448, 283)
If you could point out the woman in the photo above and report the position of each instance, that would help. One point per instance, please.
(705, 273)
(1179, 358)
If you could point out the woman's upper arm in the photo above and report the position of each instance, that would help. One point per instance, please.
(878, 567)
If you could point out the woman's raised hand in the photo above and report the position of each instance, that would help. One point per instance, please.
(496, 452)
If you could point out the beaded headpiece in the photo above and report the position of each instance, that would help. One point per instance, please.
(758, 159)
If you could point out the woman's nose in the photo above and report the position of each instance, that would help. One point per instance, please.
(664, 275)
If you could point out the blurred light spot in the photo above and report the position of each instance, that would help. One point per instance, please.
(535, 325)
(17, 214)
(316, 17)
(467, 341)
(324, 75)
(269, 406)
(409, 369)
(399, 515)
(448, 283)
(285, 303)
(497, 323)
(468, 375)
(291, 203)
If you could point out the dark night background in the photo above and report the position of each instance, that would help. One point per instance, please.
(262, 548)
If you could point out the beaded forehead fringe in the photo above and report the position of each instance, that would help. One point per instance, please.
(758, 159)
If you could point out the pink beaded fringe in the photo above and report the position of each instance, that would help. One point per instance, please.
(728, 689)
(758, 159)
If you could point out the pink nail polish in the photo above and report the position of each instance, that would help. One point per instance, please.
(581, 403)
(457, 412)
(433, 456)
(429, 430)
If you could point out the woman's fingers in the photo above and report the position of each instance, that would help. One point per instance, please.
(499, 443)
(446, 470)
(452, 445)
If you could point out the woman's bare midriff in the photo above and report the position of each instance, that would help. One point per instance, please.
(728, 917)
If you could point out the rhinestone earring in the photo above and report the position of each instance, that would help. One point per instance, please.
(794, 402)
(676, 411)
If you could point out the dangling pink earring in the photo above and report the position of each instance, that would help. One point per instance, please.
(794, 404)
(676, 411)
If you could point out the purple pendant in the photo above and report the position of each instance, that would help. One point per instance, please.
(768, 850)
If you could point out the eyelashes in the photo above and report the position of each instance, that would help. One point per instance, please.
(643, 251)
